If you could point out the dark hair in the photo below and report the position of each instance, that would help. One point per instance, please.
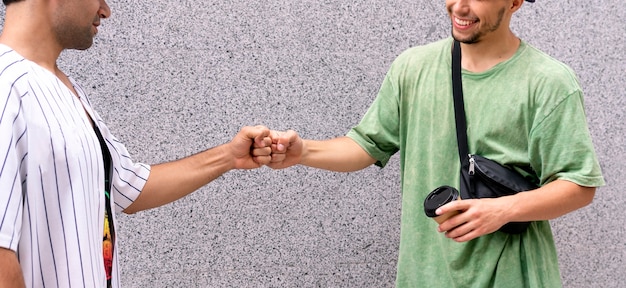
(7, 2)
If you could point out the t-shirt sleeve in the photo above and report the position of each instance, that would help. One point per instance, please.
(378, 131)
(561, 145)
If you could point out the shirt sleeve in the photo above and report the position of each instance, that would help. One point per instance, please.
(378, 132)
(129, 177)
(13, 145)
(561, 145)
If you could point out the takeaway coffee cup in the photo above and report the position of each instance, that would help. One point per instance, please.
(439, 197)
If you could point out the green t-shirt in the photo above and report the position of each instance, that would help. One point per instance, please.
(526, 112)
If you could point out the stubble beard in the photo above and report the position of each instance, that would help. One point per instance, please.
(72, 36)
(478, 35)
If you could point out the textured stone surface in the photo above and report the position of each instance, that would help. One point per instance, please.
(175, 77)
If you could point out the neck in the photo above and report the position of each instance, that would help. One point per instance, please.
(28, 36)
(485, 54)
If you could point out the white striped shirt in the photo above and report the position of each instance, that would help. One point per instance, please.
(52, 177)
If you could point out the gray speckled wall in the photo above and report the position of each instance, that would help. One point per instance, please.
(175, 77)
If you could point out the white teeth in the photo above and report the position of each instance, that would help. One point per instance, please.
(462, 22)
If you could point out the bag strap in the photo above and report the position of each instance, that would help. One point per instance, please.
(466, 187)
(459, 106)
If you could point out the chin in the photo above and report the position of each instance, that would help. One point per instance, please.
(83, 46)
(471, 39)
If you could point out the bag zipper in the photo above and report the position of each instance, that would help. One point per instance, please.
(473, 168)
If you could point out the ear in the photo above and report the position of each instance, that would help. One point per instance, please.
(515, 5)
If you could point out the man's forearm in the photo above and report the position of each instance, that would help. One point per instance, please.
(553, 200)
(171, 181)
(340, 154)
(486, 215)
(10, 270)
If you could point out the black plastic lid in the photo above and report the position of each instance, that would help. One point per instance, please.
(439, 197)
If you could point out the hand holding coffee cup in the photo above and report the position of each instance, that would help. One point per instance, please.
(439, 197)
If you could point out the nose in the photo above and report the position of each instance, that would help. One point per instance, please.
(104, 11)
(459, 6)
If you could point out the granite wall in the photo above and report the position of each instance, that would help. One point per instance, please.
(176, 77)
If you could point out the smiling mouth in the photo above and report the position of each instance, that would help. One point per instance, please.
(464, 23)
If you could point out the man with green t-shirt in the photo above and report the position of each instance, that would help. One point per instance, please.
(524, 110)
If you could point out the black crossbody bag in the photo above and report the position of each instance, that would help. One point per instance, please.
(481, 177)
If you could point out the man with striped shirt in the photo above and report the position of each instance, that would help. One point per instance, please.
(62, 173)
